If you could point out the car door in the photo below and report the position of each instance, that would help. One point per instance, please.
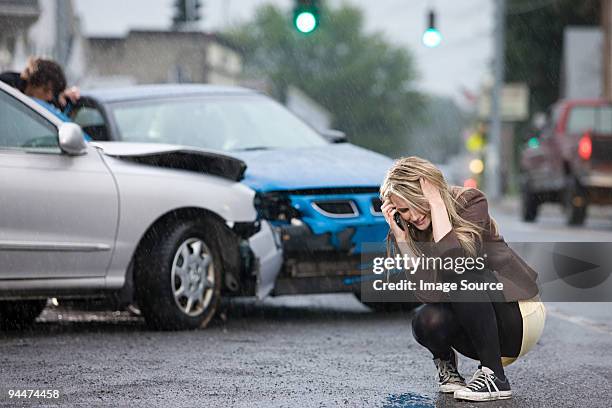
(58, 213)
(91, 118)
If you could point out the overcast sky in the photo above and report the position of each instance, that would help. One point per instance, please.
(459, 62)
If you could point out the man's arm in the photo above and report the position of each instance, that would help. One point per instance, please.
(13, 79)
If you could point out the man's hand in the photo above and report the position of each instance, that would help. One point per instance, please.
(72, 94)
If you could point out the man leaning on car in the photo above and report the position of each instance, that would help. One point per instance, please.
(45, 82)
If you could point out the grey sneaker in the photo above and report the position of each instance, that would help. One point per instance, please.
(449, 378)
(485, 386)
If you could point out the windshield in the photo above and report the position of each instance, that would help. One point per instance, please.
(595, 118)
(231, 123)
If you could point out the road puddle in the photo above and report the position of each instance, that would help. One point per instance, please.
(408, 400)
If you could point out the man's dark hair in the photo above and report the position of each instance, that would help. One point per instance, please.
(43, 72)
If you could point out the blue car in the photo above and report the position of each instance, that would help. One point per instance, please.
(319, 191)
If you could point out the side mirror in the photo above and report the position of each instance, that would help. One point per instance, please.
(71, 139)
(335, 136)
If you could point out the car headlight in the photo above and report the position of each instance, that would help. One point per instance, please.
(275, 207)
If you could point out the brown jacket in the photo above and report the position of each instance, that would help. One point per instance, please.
(518, 278)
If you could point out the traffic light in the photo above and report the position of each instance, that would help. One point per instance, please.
(186, 11)
(431, 36)
(306, 15)
(533, 142)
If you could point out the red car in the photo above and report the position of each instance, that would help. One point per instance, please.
(569, 160)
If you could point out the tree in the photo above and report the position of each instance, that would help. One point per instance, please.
(365, 82)
(534, 43)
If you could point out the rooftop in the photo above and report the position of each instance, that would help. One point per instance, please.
(137, 92)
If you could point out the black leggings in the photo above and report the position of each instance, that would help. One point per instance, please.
(482, 331)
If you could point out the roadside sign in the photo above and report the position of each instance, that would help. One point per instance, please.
(514, 103)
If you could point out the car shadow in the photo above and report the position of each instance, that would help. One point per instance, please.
(311, 308)
(234, 312)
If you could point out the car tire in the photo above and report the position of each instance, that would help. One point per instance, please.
(178, 277)
(529, 204)
(19, 314)
(389, 307)
(574, 202)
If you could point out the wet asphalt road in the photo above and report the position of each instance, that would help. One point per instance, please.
(306, 351)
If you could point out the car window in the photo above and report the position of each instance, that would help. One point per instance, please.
(232, 123)
(596, 118)
(91, 121)
(24, 129)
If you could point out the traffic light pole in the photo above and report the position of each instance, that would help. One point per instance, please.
(493, 160)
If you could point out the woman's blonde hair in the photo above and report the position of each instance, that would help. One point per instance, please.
(402, 180)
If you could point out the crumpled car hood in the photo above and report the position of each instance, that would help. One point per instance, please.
(333, 165)
(176, 157)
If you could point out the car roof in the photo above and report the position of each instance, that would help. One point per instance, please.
(585, 102)
(139, 92)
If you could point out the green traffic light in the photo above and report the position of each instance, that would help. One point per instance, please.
(305, 22)
(432, 38)
(533, 143)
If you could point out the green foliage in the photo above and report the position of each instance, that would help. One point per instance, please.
(365, 82)
(534, 43)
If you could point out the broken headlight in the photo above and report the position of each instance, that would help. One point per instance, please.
(275, 207)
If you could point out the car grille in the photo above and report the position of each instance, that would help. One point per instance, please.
(376, 204)
(336, 208)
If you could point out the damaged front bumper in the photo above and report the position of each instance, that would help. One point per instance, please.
(253, 269)
(268, 254)
(322, 232)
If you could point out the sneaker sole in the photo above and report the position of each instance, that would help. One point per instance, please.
(450, 388)
(500, 395)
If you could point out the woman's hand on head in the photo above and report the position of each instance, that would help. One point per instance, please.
(389, 211)
(440, 222)
(431, 192)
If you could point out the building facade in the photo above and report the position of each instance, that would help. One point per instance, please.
(146, 57)
(16, 18)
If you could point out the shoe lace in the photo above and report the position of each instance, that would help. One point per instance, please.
(482, 379)
(476, 375)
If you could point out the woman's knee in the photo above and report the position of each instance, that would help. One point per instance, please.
(431, 320)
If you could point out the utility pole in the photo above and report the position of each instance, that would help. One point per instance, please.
(606, 26)
(63, 31)
(493, 174)
(226, 14)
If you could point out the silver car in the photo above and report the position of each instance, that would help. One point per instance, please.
(172, 225)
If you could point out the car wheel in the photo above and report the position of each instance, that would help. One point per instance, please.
(574, 202)
(20, 314)
(529, 204)
(178, 282)
(385, 307)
